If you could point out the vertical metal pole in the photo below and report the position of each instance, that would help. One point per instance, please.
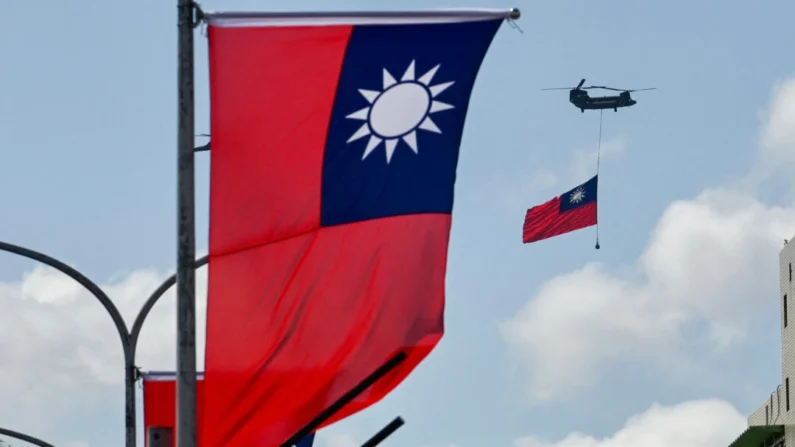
(129, 395)
(186, 243)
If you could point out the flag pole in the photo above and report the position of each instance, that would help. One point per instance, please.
(384, 433)
(186, 233)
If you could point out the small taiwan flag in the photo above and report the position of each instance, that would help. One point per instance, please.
(573, 210)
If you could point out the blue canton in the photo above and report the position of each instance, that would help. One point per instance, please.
(356, 188)
(579, 196)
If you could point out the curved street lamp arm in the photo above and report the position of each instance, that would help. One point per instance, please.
(81, 279)
(152, 300)
(24, 437)
(129, 339)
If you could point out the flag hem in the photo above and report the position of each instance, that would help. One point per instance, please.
(329, 18)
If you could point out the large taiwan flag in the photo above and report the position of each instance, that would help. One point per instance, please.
(335, 144)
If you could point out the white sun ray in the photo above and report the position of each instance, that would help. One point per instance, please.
(371, 145)
(362, 132)
(409, 74)
(389, 80)
(439, 88)
(411, 139)
(428, 77)
(398, 110)
(390, 148)
(369, 95)
(436, 106)
(361, 115)
(429, 125)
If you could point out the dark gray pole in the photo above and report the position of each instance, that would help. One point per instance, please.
(186, 238)
(384, 433)
(130, 376)
(129, 395)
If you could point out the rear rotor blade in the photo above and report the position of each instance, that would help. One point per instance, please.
(558, 88)
(618, 89)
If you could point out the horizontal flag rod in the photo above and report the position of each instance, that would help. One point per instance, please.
(297, 18)
(165, 375)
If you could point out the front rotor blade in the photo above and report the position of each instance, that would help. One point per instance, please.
(603, 87)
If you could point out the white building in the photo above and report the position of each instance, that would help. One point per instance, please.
(773, 424)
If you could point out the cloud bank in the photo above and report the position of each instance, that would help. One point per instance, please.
(707, 262)
(700, 423)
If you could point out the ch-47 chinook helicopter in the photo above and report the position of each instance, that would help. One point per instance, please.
(579, 97)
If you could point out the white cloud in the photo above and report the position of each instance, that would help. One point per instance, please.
(778, 132)
(61, 353)
(701, 423)
(708, 261)
(331, 438)
(327, 439)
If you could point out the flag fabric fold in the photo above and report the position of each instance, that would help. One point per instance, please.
(333, 165)
(570, 211)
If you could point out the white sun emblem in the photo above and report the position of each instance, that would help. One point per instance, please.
(577, 196)
(399, 110)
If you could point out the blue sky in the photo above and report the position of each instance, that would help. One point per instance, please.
(88, 140)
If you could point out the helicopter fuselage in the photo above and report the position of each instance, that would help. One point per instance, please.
(582, 101)
(579, 97)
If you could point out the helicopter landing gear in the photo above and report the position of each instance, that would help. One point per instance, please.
(582, 110)
(615, 109)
